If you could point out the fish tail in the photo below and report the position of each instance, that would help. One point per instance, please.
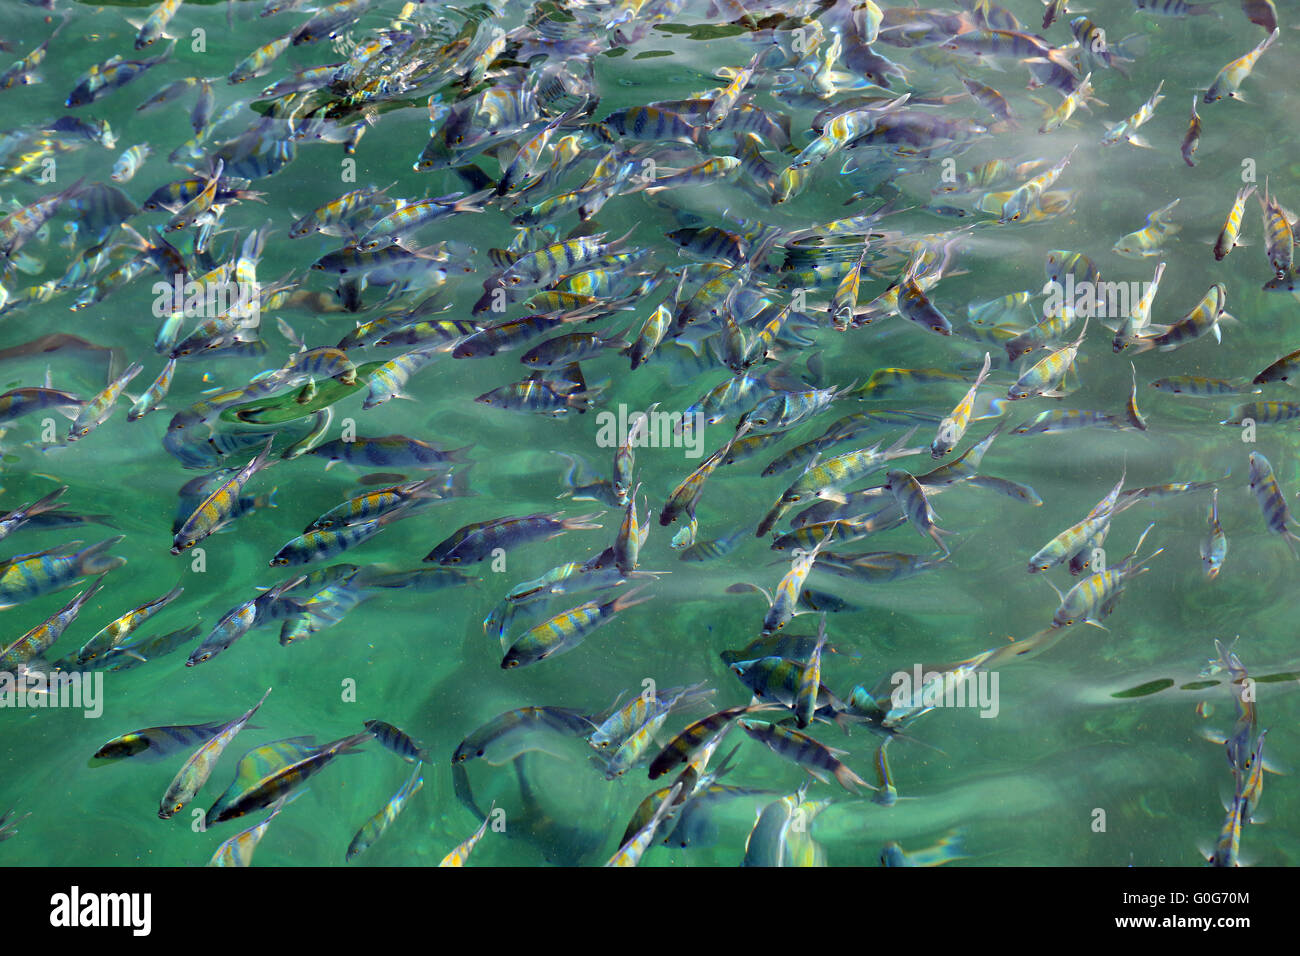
(47, 503)
(94, 561)
(582, 522)
(83, 598)
(263, 459)
(625, 601)
(849, 780)
(471, 203)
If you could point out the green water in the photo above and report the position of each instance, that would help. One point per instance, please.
(1024, 786)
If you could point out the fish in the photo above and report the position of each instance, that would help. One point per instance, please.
(1124, 130)
(328, 543)
(1044, 376)
(239, 849)
(1261, 12)
(1215, 547)
(1073, 538)
(1094, 597)
(1149, 241)
(1279, 371)
(814, 757)
(1228, 82)
(1279, 238)
(111, 635)
(393, 227)
(767, 843)
(238, 622)
(630, 853)
(665, 262)
(475, 542)
(512, 723)
(945, 851)
(805, 702)
(374, 504)
(142, 650)
(566, 630)
(389, 451)
(378, 825)
(23, 73)
(18, 402)
(13, 520)
(284, 780)
(397, 741)
(7, 829)
(154, 26)
(952, 428)
(33, 645)
(216, 509)
(97, 410)
(1277, 515)
(1056, 9)
(460, 855)
(1229, 234)
(112, 74)
(1204, 317)
(189, 780)
(1192, 138)
(29, 576)
(154, 743)
(1140, 317)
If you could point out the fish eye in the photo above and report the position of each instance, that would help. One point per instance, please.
(177, 808)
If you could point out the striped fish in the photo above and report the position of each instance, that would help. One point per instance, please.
(1229, 235)
(154, 743)
(239, 849)
(814, 757)
(377, 825)
(460, 855)
(566, 630)
(28, 576)
(38, 640)
(113, 634)
(1276, 513)
(189, 780)
(285, 780)
(217, 508)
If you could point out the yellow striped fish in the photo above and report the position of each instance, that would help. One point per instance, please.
(458, 856)
(216, 509)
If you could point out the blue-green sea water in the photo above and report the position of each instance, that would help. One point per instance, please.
(1070, 770)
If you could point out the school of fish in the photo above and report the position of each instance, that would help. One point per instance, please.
(695, 323)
